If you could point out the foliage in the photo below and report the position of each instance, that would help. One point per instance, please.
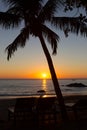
(35, 14)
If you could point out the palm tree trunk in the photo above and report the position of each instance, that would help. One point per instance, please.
(54, 79)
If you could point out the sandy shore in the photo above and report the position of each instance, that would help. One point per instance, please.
(6, 124)
(5, 103)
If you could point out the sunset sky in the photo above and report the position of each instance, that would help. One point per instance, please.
(30, 61)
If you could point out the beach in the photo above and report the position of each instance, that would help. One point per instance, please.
(5, 103)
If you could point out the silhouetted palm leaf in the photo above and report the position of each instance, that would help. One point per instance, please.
(8, 20)
(18, 42)
(71, 4)
(69, 24)
(52, 37)
(32, 18)
(49, 9)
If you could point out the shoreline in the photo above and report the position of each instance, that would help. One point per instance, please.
(3, 97)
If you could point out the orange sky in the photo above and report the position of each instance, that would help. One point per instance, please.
(40, 74)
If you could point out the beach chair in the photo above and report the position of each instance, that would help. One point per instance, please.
(46, 112)
(80, 109)
(23, 109)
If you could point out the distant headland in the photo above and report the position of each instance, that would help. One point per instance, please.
(76, 85)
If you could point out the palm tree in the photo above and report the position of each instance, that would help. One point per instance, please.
(34, 14)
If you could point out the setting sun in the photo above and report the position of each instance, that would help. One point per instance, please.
(44, 75)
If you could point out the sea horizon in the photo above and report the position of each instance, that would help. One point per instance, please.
(42, 78)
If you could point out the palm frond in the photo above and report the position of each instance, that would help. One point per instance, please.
(49, 9)
(78, 3)
(69, 24)
(8, 20)
(51, 36)
(18, 42)
(33, 6)
(70, 4)
(16, 11)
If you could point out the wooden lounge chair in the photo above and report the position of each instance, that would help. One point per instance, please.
(46, 110)
(23, 109)
(80, 109)
(37, 111)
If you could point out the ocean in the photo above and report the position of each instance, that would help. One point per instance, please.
(29, 87)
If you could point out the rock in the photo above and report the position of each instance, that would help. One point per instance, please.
(76, 85)
(41, 91)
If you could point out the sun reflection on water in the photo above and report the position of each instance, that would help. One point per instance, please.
(44, 84)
